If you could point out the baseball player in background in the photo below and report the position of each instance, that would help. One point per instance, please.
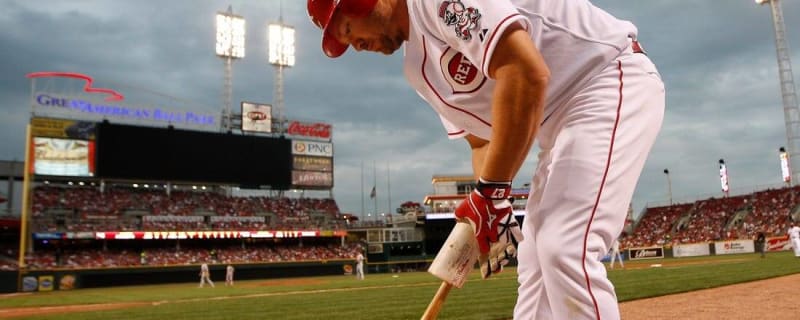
(615, 254)
(794, 238)
(360, 266)
(501, 73)
(229, 275)
(205, 275)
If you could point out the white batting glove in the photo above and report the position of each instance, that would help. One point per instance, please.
(508, 237)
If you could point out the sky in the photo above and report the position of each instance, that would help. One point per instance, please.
(717, 59)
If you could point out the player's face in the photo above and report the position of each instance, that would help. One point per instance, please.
(375, 32)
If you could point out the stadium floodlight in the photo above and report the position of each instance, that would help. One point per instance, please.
(230, 35)
(281, 54)
(229, 46)
(281, 45)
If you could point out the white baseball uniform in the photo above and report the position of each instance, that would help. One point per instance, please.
(604, 108)
(615, 254)
(360, 266)
(794, 238)
(205, 275)
(229, 275)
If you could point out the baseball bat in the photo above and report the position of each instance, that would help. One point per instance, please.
(452, 265)
(438, 300)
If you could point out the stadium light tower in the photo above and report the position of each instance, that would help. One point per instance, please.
(230, 45)
(790, 109)
(281, 55)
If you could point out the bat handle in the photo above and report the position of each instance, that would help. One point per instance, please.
(438, 300)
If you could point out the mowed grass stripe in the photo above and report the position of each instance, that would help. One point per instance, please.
(383, 296)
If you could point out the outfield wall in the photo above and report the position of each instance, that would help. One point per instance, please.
(67, 279)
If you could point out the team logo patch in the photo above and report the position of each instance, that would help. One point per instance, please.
(463, 76)
(462, 19)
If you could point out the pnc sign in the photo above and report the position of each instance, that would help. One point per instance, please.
(312, 148)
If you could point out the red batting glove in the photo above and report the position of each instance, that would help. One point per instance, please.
(484, 208)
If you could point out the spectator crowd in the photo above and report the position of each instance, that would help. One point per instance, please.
(88, 209)
(728, 218)
(156, 257)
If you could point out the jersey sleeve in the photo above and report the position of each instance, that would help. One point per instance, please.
(453, 131)
(472, 27)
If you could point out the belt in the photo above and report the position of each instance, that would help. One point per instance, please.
(637, 48)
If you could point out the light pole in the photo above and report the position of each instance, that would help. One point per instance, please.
(786, 171)
(791, 112)
(723, 177)
(669, 186)
(229, 46)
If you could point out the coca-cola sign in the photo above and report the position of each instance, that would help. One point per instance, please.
(317, 130)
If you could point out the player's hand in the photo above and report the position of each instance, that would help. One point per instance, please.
(508, 237)
(484, 208)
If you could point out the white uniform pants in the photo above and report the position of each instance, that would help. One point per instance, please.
(796, 246)
(615, 255)
(360, 271)
(206, 278)
(593, 150)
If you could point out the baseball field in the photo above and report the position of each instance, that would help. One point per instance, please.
(405, 295)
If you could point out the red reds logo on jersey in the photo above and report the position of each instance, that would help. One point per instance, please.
(462, 19)
(463, 76)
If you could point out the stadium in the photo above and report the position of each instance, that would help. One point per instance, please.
(123, 193)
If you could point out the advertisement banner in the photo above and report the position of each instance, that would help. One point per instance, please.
(236, 219)
(691, 250)
(312, 179)
(67, 282)
(63, 157)
(645, 253)
(30, 283)
(734, 246)
(256, 117)
(312, 148)
(314, 130)
(60, 128)
(61, 106)
(307, 163)
(45, 283)
(778, 243)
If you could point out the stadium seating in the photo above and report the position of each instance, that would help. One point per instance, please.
(727, 218)
(84, 208)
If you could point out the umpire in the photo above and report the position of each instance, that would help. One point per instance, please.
(761, 240)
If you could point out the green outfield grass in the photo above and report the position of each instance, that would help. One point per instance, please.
(389, 296)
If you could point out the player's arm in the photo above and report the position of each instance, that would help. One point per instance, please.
(521, 77)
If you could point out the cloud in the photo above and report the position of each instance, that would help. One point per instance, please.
(717, 60)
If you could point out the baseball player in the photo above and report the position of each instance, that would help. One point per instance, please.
(360, 266)
(615, 254)
(205, 275)
(794, 238)
(229, 275)
(503, 73)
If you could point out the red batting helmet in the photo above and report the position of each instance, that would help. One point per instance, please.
(321, 13)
